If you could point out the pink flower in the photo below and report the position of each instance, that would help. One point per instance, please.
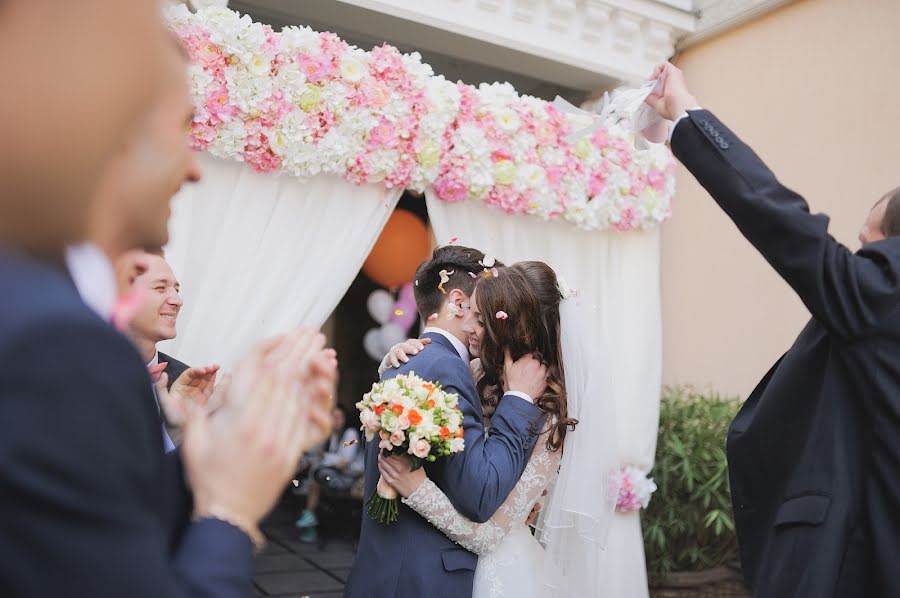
(420, 448)
(383, 135)
(657, 179)
(501, 315)
(397, 438)
(596, 184)
(600, 138)
(450, 189)
(403, 422)
(626, 220)
(372, 94)
(202, 134)
(316, 68)
(219, 105)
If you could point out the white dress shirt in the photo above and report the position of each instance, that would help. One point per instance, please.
(94, 277)
(464, 355)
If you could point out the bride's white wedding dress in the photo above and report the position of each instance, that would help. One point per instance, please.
(511, 561)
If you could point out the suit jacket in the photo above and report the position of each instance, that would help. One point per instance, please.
(91, 505)
(410, 558)
(814, 454)
(174, 368)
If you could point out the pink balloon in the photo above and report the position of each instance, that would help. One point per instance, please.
(404, 313)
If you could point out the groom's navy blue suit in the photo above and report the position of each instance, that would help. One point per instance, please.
(410, 558)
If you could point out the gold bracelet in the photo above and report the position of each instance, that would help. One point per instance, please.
(217, 512)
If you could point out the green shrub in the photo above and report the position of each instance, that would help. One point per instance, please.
(689, 525)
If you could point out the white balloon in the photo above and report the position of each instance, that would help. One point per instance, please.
(391, 334)
(372, 344)
(380, 305)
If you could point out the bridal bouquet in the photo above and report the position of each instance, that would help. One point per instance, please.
(410, 416)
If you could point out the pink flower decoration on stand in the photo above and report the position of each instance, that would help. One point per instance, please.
(635, 489)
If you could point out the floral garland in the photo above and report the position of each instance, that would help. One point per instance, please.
(305, 103)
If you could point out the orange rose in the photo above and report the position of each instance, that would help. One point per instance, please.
(414, 417)
(397, 409)
(429, 387)
(445, 433)
(459, 433)
(431, 403)
(379, 409)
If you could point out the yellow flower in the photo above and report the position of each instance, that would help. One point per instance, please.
(583, 148)
(504, 172)
(310, 98)
(430, 155)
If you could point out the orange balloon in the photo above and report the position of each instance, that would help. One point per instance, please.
(403, 245)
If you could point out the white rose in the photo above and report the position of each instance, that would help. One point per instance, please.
(453, 421)
(389, 422)
(259, 65)
(353, 68)
(508, 120)
(420, 449)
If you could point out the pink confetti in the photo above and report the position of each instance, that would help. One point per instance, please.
(495, 272)
(453, 240)
(432, 317)
(473, 275)
(501, 315)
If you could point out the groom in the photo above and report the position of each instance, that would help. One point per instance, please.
(410, 558)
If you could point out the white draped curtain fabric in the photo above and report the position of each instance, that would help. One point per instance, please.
(258, 254)
(618, 275)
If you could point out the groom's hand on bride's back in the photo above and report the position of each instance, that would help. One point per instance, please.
(526, 375)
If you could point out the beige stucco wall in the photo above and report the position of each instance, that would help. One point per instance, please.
(814, 88)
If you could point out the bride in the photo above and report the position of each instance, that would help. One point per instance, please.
(578, 441)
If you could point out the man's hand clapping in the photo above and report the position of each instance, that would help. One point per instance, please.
(278, 405)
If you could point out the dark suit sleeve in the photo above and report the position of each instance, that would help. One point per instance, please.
(479, 479)
(847, 293)
(84, 479)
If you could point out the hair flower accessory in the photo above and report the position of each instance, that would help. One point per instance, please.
(565, 291)
(501, 315)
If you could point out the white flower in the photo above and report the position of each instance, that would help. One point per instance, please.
(353, 68)
(453, 421)
(259, 65)
(508, 120)
(457, 445)
(420, 449)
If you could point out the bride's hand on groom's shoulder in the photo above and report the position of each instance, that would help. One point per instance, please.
(400, 353)
(526, 375)
(396, 472)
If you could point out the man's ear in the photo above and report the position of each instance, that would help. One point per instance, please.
(459, 299)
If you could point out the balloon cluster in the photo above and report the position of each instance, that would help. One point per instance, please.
(395, 319)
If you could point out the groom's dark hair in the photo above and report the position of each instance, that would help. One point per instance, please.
(462, 265)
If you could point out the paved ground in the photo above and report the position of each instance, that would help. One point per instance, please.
(290, 568)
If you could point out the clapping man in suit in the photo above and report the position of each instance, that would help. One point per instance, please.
(92, 506)
(814, 454)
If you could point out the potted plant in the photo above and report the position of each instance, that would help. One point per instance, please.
(688, 526)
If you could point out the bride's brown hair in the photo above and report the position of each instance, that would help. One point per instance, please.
(527, 292)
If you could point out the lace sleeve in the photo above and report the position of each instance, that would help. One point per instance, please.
(430, 502)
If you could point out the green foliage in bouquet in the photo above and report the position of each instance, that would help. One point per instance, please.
(689, 524)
